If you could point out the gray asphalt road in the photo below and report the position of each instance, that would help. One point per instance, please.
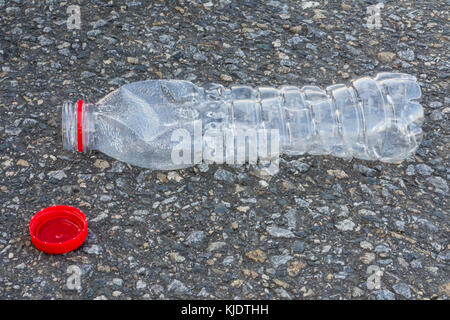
(323, 228)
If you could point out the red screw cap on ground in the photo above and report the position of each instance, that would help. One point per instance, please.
(58, 229)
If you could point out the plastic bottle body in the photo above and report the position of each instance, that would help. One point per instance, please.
(142, 123)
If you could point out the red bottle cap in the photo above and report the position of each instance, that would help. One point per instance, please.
(58, 229)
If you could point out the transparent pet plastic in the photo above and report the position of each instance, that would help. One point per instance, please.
(144, 123)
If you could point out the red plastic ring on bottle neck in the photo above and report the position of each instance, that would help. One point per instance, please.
(80, 125)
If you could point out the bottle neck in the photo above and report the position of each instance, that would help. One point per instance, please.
(78, 126)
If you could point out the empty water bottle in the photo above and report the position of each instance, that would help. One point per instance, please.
(155, 123)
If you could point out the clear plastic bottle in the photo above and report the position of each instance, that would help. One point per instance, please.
(372, 119)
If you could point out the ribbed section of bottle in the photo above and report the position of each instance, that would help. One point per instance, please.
(372, 119)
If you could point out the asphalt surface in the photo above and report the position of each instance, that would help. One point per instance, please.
(322, 228)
